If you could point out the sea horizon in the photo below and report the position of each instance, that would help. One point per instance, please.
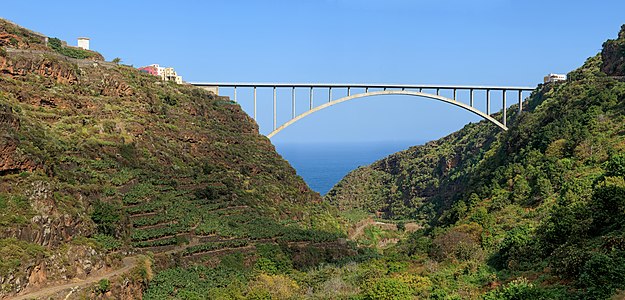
(323, 164)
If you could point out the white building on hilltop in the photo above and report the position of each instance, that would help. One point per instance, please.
(554, 77)
(83, 42)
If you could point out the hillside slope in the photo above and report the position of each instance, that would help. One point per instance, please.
(541, 205)
(98, 161)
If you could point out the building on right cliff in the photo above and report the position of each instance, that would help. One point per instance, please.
(166, 74)
(554, 78)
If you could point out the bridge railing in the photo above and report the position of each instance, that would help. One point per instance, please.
(436, 90)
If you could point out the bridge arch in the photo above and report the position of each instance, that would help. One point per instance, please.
(387, 92)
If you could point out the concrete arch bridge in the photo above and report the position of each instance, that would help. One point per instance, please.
(357, 91)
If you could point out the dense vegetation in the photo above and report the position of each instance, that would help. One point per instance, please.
(540, 206)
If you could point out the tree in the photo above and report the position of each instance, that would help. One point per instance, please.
(117, 60)
(106, 216)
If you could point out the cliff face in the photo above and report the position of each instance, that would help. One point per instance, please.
(613, 55)
(98, 159)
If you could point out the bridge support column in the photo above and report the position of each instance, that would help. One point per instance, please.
(505, 109)
(471, 97)
(488, 102)
(274, 108)
(235, 93)
(520, 101)
(454, 94)
(311, 98)
(293, 101)
(329, 94)
(254, 103)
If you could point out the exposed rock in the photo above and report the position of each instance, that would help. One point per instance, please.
(12, 160)
(13, 35)
(37, 276)
(51, 231)
(128, 290)
(8, 119)
(613, 55)
(109, 86)
(43, 65)
(77, 262)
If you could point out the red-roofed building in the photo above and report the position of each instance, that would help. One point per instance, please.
(150, 70)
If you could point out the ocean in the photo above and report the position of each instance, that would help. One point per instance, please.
(322, 165)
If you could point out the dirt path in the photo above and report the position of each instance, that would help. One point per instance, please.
(359, 229)
(128, 264)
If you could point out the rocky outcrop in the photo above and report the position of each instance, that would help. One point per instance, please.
(15, 36)
(50, 230)
(76, 262)
(613, 55)
(48, 227)
(11, 159)
(39, 64)
(109, 86)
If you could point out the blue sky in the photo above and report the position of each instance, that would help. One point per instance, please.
(487, 42)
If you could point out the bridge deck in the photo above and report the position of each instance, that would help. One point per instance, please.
(362, 85)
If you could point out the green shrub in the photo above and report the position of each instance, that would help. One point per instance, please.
(106, 216)
(388, 289)
(107, 242)
(266, 265)
(616, 165)
(519, 289)
(515, 246)
(608, 207)
(417, 243)
(103, 286)
(602, 275)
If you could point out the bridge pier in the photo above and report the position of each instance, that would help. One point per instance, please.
(505, 109)
(520, 101)
(293, 100)
(488, 102)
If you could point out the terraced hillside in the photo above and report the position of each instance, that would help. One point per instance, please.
(99, 161)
